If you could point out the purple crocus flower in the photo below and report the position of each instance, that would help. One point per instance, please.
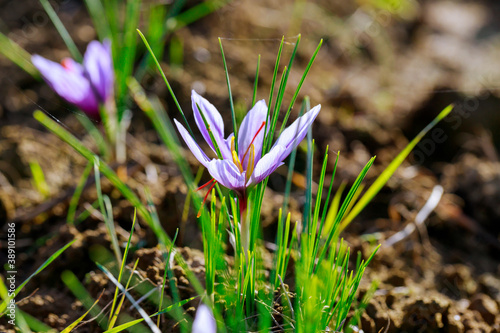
(239, 170)
(86, 85)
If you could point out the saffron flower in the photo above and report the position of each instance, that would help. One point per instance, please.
(86, 85)
(244, 168)
(204, 321)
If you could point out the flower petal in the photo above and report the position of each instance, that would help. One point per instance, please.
(204, 321)
(193, 146)
(249, 127)
(69, 83)
(214, 121)
(226, 173)
(268, 163)
(295, 133)
(98, 65)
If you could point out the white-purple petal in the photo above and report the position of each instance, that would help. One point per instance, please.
(214, 121)
(295, 133)
(204, 321)
(268, 163)
(249, 127)
(98, 65)
(192, 145)
(227, 173)
(69, 83)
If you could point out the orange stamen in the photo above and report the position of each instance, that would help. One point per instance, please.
(206, 196)
(251, 143)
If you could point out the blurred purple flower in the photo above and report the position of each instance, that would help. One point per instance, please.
(86, 85)
(244, 168)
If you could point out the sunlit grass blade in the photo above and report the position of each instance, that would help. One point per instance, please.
(96, 135)
(116, 311)
(33, 324)
(343, 208)
(77, 194)
(106, 210)
(269, 137)
(76, 322)
(38, 178)
(275, 111)
(333, 209)
(125, 62)
(76, 287)
(281, 91)
(155, 34)
(113, 314)
(391, 168)
(291, 163)
(256, 82)
(166, 81)
(139, 309)
(313, 229)
(309, 175)
(17, 55)
(362, 306)
(325, 207)
(135, 322)
(21, 323)
(297, 90)
(230, 94)
(101, 24)
(109, 10)
(47, 262)
(70, 44)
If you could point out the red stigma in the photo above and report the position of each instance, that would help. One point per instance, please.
(205, 185)
(251, 143)
(66, 63)
(206, 195)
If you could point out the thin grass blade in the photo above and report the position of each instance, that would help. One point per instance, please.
(75, 53)
(391, 168)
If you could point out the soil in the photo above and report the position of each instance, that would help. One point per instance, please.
(380, 76)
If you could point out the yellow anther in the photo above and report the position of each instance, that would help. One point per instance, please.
(236, 160)
(251, 161)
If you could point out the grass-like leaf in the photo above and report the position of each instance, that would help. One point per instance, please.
(76, 322)
(135, 322)
(113, 313)
(70, 219)
(231, 103)
(18, 55)
(76, 287)
(166, 81)
(47, 262)
(75, 53)
(391, 168)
